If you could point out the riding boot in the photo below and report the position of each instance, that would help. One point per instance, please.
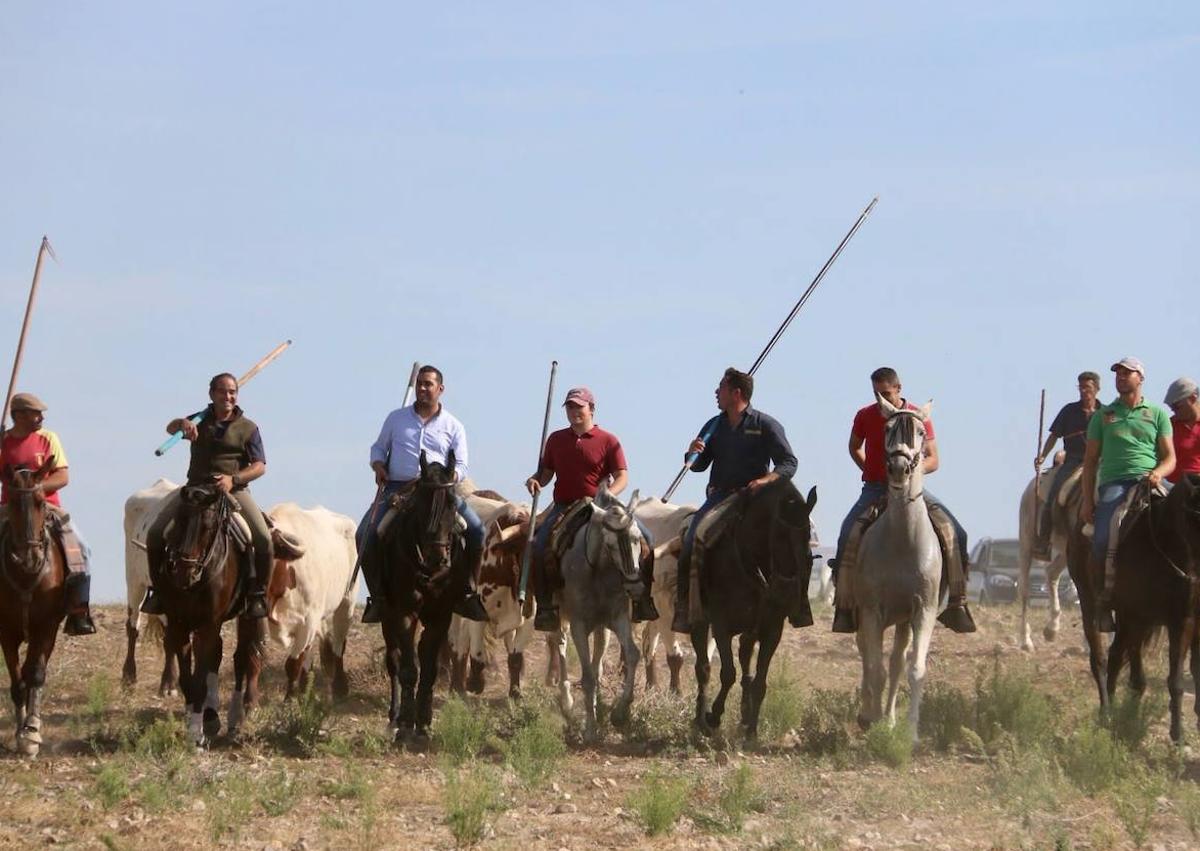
(800, 613)
(844, 620)
(152, 605)
(470, 606)
(641, 595)
(1104, 613)
(681, 622)
(256, 603)
(79, 618)
(547, 618)
(957, 616)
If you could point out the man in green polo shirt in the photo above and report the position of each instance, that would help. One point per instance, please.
(1128, 441)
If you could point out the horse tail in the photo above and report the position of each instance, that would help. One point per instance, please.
(1151, 639)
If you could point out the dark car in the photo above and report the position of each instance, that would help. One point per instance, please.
(993, 577)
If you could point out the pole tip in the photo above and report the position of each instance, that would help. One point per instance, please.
(158, 453)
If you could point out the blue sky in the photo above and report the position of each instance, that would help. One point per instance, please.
(639, 193)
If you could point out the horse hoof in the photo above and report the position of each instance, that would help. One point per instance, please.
(1049, 633)
(619, 716)
(212, 723)
(864, 723)
(713, 722)
(514, 693)
(28, 748)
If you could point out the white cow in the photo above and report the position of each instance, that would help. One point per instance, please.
(141, 510)
(311, 597)
(505, 524)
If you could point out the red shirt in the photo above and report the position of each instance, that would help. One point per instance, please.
(581, 462)
(1186, 438)
(869, 426)
(30, 452)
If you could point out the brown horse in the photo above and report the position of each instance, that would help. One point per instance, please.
(1157, 585)
(202, 587)
(32, 597)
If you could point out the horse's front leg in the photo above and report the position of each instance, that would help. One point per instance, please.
(624, 630)
(16, 685)
(922, 634)
(746, 645)
(703, 670)
(587, 677)
(870, 648)
(430, 645)
(206, 648)
(896, 665)
(247, 666)
(1024, 560)
(129, 669)
(728, 677)
(168, 682)
(406, 677)
(768, 643)
(1053, 572)
(1175, 679)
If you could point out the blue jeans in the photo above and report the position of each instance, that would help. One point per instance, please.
(959, 532)
(475, 531)
(872, 492)
(1112, 494)
(1061, 474)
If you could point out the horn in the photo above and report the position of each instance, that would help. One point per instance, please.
(633, 497)
(510, 532)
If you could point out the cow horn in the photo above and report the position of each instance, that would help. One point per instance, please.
(510, 532)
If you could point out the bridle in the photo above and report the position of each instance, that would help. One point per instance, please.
(902, 433)
(624, 541)
(441, 501)
(187, 561)
(36, 542)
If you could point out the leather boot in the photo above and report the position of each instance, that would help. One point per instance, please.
(152, 605)
(957, 616)
(79, 619)
(372, 611)
(643, 608)
(470, 606)
(256, 601)
(844, 620)
(547, 618)
(681, 623)
(800, 615)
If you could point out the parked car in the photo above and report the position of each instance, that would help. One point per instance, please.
(993, 576)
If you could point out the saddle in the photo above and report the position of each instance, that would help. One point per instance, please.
(562, 535)
(235, 528)
(1068, 487)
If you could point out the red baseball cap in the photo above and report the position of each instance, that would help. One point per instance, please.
(580, 396)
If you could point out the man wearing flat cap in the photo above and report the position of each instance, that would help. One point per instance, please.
(28, 445)
(1128, 441)
(1183, 398)
(579, 458)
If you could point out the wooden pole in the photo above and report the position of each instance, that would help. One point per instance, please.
(1037, 474)
(527, 554)
(43, 250)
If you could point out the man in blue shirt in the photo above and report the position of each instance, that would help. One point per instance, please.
(426, 427)
(742, 448)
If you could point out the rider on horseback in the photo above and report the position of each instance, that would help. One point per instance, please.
(227, 451)
(427, 427)
(1128, 441)
(29, 445)
(582, 457)
(1183, 398)
(1070, 425)
(745, 442)
(867, 437)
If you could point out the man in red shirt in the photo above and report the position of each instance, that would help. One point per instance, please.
(1183, 398)
(27, 445)
(580, 459)
(867, 449)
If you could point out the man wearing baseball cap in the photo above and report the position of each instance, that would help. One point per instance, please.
(28, 445)
(579, 458)
(1183, 398)
(1128, 441)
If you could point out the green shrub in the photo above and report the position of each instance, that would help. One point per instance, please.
(659, 719)
(278, 793)
(163, 739)
(1131, 718)
(352, 785)
(945, 712)
(1093, 760)
(740, 795)
(100, 691)
(534, 745)
(782, 705)
(1026, 780)
(824, 718)
(659, 801)
(230, 803)
(460, 731)
(164, 785)
(1008, 702)
(891, 744)
(111, 785)
(299, 725)
(470, 795)
(1135, 800)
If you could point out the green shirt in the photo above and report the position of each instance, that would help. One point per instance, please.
(1128, 439)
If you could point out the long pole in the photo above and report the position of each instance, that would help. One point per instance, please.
(527, 554)
(1037, 474)
(412, 381)
(711, 426)
(250, 373)
(43, 250)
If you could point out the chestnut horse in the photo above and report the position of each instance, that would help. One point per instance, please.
(32, 597)
(202, 587)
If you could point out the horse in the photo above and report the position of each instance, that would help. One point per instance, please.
(899, 579)
(1157, 584)
(202, 586)
(600, 563)
(1063, 518)
(750, 578)
(421, 564)
(32, 598)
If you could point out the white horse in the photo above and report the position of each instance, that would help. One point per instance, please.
(1062, 518)
(899, 575)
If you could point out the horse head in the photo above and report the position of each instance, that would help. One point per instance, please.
(28, 538)
(1183, 507)
(434, 507)
(612, 536)
(197, 534)
(904, 440)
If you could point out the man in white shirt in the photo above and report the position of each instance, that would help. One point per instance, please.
(426, 427)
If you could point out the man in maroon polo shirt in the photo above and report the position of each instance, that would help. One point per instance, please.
(580, 459)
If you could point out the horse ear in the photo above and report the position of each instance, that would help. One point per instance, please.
(424, 463)
(888, 407)
(602, 498)
(633, 497)
(926, 409)
(812, 498)
(450, 461)
(46, 469)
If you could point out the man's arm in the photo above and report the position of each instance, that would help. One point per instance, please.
(619, 480)
(1091, 463)
(1165, 448)
(706, 454)
(931, 462)
(858, 454)
(458, 445)
(381, 450)
(57, 480)
(1045, 453)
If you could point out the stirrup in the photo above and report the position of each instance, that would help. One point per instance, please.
(547, 619)
(680, 622)
(256, 605)
(844, 621)
(471, 607)
(79, 623)
(371, 613)
(801, 613)
(643, 609)
(152, 605)
(957, 618)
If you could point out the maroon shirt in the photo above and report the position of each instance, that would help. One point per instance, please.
(870, 426)
(581, 462)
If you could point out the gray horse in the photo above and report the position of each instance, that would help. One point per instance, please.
(900, 571)
(1064, 518)
(596, 570)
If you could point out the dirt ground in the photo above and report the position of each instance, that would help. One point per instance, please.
(88, 790)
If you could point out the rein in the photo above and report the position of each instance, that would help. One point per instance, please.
(216, 551)
(906, 426)
(1180, 572)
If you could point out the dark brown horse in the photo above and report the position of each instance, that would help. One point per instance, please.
(202, 587)
(1157, 585)
(750, 580)
(421, 565)
(32, 597)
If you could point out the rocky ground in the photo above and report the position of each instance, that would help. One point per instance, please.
(1034, 772)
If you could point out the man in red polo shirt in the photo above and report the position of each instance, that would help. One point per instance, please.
(579, 458)
(868, 451)
(27, 445)
(1183, 398)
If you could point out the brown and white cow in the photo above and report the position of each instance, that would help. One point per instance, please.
(311, 598)
(141, 509)
(506, 526)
